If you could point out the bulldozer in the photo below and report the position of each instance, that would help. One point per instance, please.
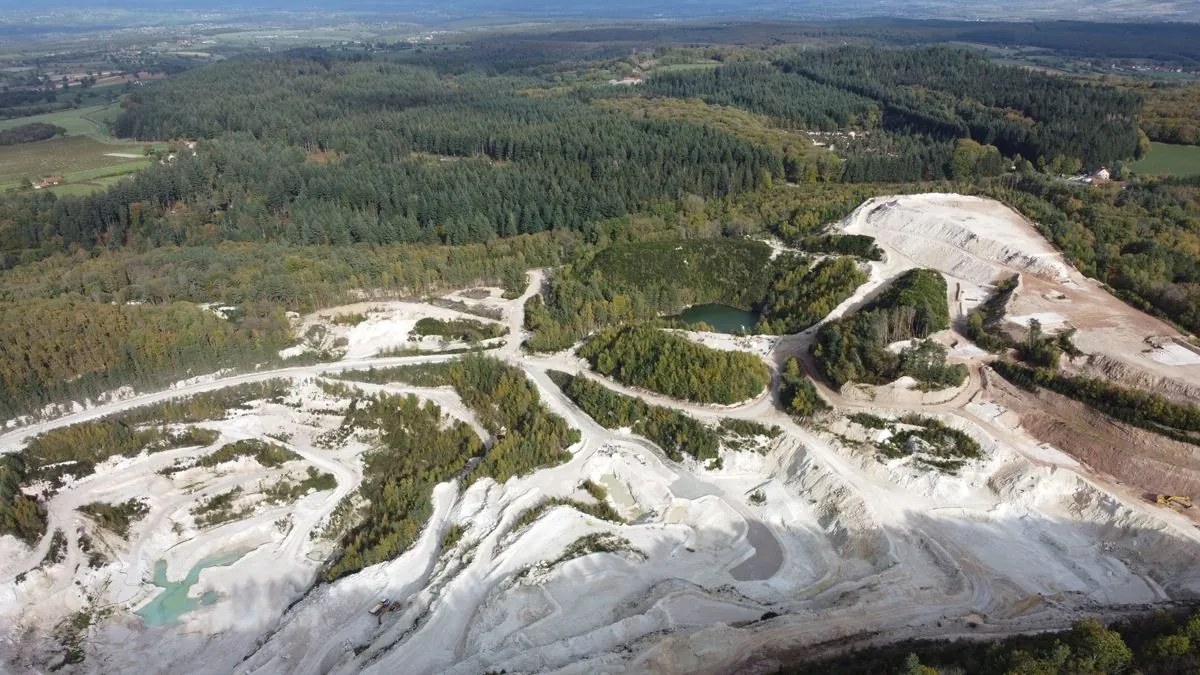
(1168, 500)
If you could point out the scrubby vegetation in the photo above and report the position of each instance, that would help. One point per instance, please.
(801, 295)
(77, 449)
(855, 348)
(349, 319)
(983, 323)
(416, 450)
(464, 330)
(20, 515)
(644, 356)
(210, 405)
(601, 510)
(928, 441)
(929, 436)
(673, 431)
(286, 491)
(452, 536)
(1159, 644)
(857, 245)
(596, 542)
(269, 455)
(740, 427)
(507, 404)
(219, 509)
(116, 518)
(799, 396)
(417, 374)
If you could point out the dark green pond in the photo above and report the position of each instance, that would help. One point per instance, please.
(723, 318)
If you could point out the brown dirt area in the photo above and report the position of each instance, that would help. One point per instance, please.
(1145, 461)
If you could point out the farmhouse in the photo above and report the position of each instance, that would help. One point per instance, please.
(47, 182)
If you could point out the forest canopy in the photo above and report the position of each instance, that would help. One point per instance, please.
(856, 348)
(670, 364)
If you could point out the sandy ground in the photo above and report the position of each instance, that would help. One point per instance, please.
(976, 242)
(842, 543)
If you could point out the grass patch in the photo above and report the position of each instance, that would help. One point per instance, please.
(1169, 160)
(74, 120)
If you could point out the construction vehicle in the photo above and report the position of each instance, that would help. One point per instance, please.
(379, 609)
(1168, 500)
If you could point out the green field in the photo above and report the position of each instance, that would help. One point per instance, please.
(78, 159)
(1169, 160)
(77, 121)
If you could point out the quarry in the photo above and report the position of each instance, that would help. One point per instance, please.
(805, 538)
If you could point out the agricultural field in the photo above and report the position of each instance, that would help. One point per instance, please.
(78, 159)
(1169, 160)
(77, 121)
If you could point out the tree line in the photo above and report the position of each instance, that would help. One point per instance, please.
(1162, 643)
(673, 431)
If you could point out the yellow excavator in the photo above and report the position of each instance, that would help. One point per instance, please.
(1168, 500)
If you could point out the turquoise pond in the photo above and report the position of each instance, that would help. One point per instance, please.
(173, 602)
(723, 318)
